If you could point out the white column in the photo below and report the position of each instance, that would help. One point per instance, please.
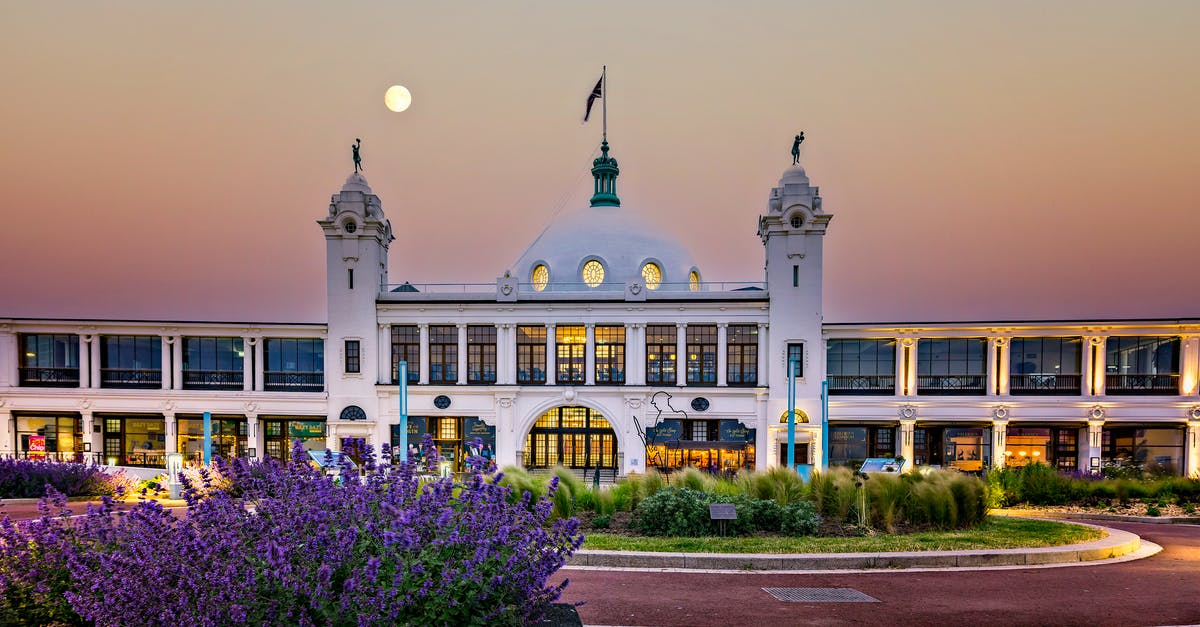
(763, 361)
(680, 353)
(11, 359)
(172, 427)
(384, 355)
(1003, 346)
(1095, 438)
(260, 363)
(85, 360)
(906, 442)
(635, 364)
(7, 431)
(992, 367)
(462, 354)
(506, 355)
(423, 331)
(1189, 365)
(910, 365)
(763, 444)
(177, 345)
(1192, 444)
(551, 371)
(1086, 367)
(999, 442)
(254, 435)
(1099, 365)
(247, 363)
(589, 354)
(94, 380)
(722, 354)
(165, 342)
(901, 369)
(94, 444)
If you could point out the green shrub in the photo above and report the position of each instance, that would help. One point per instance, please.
(691, 478)
(623, 497)
(1153, 511)
(765, 514)
(563, 504)
(740, 526)
(602, 522)
(568, 480)
(673, 512)
(605, 501)
(1042, 484)
(800, 519)
(886, 497)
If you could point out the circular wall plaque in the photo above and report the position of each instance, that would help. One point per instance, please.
(700, 403)
(353, 412)
(441, 401)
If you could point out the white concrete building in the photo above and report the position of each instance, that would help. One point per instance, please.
(603, 346)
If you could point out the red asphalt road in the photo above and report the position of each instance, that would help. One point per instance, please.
(1159, 590)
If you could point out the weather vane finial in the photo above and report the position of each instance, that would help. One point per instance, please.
(357, 156)
(796, 148)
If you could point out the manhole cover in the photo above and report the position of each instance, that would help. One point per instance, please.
(820, 595)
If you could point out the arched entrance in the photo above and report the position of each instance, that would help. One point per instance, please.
(575, 437)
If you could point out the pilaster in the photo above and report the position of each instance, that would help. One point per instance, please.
(248, 360)
(260, 363)
(85, 360)
(680, 353)
(589, 353)
(172, 428)
(722, 354)
(999, 441)
(1192, 444)
(462, 353)
(551, 367)
(7, 431)
(763, 350)
(1189, 365)
(992, 366)
(1099, 365)
(635, 351)
(1095, 438)
(94, 379)
(1003, 347)
(168, 372)
(1086, 366)
(94, 441)
(423, 331)
(254, 435)
(906, 442)
(384, 354)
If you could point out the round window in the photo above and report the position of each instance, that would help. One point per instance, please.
(694, 281)
(797, 220)
(652, 275)
(540, 277)
(351, 226)
(593, 273)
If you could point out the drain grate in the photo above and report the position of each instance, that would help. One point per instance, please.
(820, 595)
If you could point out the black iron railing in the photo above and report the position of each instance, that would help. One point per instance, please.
(212, 379)
(130, 378)
(281, 381)
(879, 385)
(951, 384)
(1160, 384)
(50, 377)
(1050, 383)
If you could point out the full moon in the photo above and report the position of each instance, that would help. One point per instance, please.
(397, 98)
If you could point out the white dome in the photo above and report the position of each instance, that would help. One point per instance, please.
(621, 239)
(356, 183)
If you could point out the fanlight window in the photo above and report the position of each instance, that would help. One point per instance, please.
(694, 281)
(652, 275)
(593, 273)
(541, 277)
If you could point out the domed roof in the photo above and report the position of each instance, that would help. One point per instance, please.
(356, 183)
(619, 238)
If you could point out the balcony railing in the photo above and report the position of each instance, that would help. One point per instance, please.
(866, 384)
(56, 456)
(1159, 384)
(50, 377)
(951, 384)
(212, 379)
(1047, 384)
(130, 378)
(287, 381)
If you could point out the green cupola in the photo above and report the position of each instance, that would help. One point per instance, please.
(605, 171)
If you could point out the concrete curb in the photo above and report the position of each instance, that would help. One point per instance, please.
(1118, 543)
(1153, 520)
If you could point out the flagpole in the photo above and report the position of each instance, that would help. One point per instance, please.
(604, 99)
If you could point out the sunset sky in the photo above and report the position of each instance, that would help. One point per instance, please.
(983, 161)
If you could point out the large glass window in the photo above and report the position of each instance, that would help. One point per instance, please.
(851, 445)
(294, 364)
(575, 437)
(1141, 365)
(742, 366)
(213, 363)
(660, 354)
(135, 440)
(570, 347)
(1156, 450)
(1045, 365)
(861, 366)
(968, 449)
(481, 354)
(951, 366)
(443, 354)
(531, 354)
(406, 347)
(49, 360)
(702, 354)
(280, 433)
(228, 437)
(610, 354)
(49, 437)
(1056, 446)
(130, 361)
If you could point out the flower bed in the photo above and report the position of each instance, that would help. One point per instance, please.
(297, 547)
(23, 478)
(1039, 484)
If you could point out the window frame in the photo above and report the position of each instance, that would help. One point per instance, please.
(701, 340)
(741, 361)
(531, 355)
(662, 370)
(610, 368)
(481, 354)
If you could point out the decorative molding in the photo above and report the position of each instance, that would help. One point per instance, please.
(251, 407)
(1096, 412)
(634, 403)
(168, 405)
(1000, 412)
(908, 412)
(1194, 412)
(505, 402)
(569, 394)
(1095, 340)
(85, 404)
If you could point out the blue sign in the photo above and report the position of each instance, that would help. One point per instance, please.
(476, 429)
(735, 431)
(441, 401)
(666, 431)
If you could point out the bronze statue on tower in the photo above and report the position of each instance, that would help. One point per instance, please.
(357, 156)
(795, 148)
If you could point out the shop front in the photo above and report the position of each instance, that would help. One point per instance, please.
(455, 437)
(1155, 449)
(575, 437)
(229, 435)
(1057, 446)
(963, 447)
(50, 437)
(134, 439)
(851, 444)
(724, 446)
(280, 431)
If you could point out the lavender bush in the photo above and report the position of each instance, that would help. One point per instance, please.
(299, 548)
(23, 478)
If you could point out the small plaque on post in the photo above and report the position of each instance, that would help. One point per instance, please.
(722, 511)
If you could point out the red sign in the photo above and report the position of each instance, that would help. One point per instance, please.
(37, 447)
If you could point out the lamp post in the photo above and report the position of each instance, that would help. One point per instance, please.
(402, 443)
(174, 467)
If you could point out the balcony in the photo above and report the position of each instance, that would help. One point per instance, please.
(129, 378)
(1044, 384)
(867, 384)
(289, 381)
(212, 379)
(951, 384)
(1141, 384)
(50, 377)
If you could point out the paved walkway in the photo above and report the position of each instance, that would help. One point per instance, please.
(1160, 590)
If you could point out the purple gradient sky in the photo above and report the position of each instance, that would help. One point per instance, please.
(1015, 160)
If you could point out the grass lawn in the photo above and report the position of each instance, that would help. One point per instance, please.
(996, 533)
